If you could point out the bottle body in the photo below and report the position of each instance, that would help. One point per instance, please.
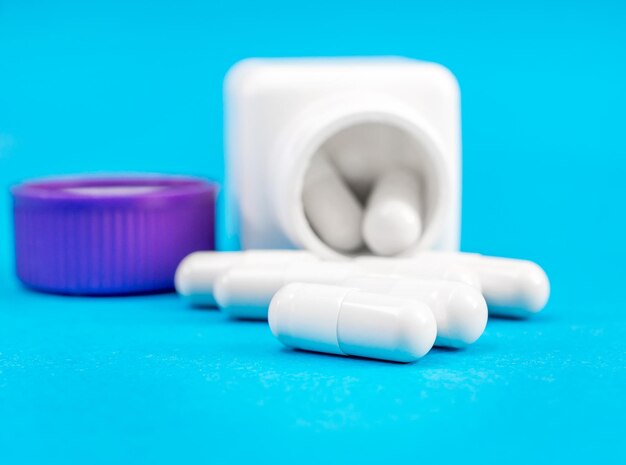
(413, 105)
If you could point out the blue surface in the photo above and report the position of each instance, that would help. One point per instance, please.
(136, 86)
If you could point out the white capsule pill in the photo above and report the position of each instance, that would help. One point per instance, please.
(198, 271)
(459, 309)
(362, 152)
(511, 287)
(427, 269)
(331, 208)
(392, 222)
(346, 321)
(245, 291)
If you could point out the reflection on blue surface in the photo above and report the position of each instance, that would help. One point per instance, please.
(113, 86)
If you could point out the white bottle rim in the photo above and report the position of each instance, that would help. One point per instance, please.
(319, 122)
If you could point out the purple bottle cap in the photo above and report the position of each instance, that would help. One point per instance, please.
(108, 236)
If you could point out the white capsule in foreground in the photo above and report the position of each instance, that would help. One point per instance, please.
(346, 321)
(459, 309)
(392, 222)
(246, 291)
(331, 208)
(412, 268)
(511, 287)
(197, 272)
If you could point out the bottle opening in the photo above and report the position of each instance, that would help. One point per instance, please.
(344, 168)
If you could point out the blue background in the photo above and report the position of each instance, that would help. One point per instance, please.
(136, 86)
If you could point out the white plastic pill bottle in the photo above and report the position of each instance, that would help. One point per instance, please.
(369, 114)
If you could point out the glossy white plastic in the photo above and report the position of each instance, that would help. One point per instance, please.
(371, 113)
(345, 321)
(245, 291)
(460, 309)
(511, 287)
(392, 223)
(197, 272)
(427, 269)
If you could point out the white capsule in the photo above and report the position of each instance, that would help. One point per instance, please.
(392, 222)
(412, 268)
(198, 271)
(362, 152)
(460, 309)
(346, 321)
(245, 291)
(331, 208)
(511, 287)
